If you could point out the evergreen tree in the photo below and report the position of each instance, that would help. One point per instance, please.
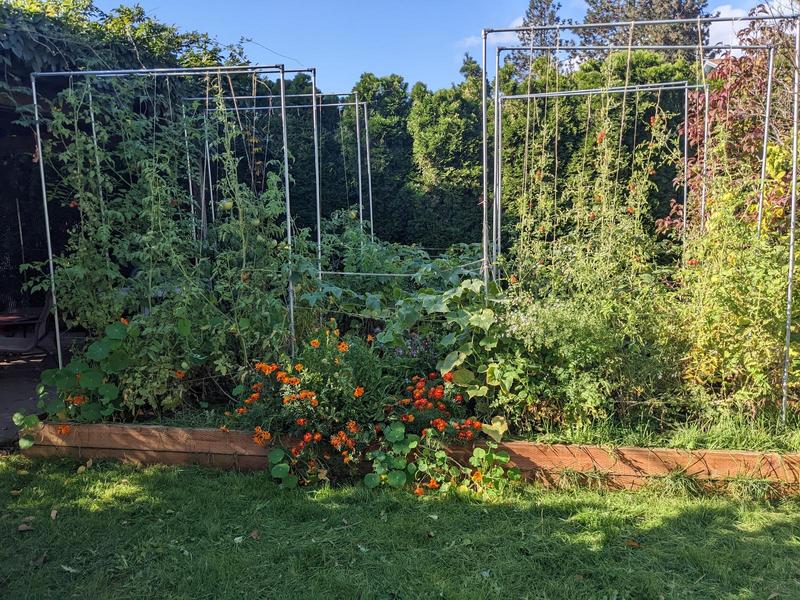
(602, 11)
(539, 13)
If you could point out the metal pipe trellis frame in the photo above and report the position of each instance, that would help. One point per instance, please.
(315, 107)
(167, 72)
(699, 47)
(650, 87)
(485, 33)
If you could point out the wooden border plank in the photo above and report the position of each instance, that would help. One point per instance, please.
(624, 467)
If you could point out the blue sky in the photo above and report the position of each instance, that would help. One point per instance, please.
(422, 40)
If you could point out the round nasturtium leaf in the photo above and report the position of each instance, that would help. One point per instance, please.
(116, 331)
(280, 471)
(91, 379)
(117, 361)
(108, 391)
(372, 480)
(395, 432)
(289, 482)
(275, 456)
(99, 349)
(396, 479)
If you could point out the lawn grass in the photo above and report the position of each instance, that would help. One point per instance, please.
(184, 532)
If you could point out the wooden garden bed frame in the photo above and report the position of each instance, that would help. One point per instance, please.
(622, 467)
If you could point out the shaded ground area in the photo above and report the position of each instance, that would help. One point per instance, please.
(121, 532)
(19, 377)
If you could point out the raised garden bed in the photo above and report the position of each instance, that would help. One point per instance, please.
(548, 463)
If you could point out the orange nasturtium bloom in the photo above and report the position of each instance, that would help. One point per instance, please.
(358, 392)
(180, 374)
(64, 429)
(342, 346)
(123, 320)
(315, 343)
(370, 338)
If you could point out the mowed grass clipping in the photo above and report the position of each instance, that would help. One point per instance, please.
(116, 531)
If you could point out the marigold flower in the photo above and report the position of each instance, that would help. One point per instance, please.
(261, 437)
(296, 451)
(342, 346)
(301, 422)
(257, 387)
(299, 367)
(439, 424)
(314, 402)
(358, 392)
(432, 376)
(409, 418)
(458, 398)
(352, 427)
(433, 484)
(64, 429)
(477, 476)
(180, 374)
(419, 491)
(241, 410)
(315, 343)
(307, 437)
(317, 437)
(370, 338)
(448, 376)
(252, 398)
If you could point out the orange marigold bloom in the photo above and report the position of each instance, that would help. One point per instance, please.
(352, 427)
(409, 418)
(180, 374)
(257, 387)
(317, 436)
(477, 476)
(314, 402)
(370, 338)
(448, 376)
(299, 367)
(433, 484)
(419, 491)
(261, 437)
(241, 410)
(301, 422)
(64, 429)
(292, 381)
(342, 346)
(252, 398)
(358, 392)
(307, 437)
(315, 343)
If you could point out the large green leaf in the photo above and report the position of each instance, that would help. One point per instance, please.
(91, 379)
(116, 362)
(451, 361)
(99, 349)
(396, 479)
(280, 471)
(395, 432)
(372, 480)
(117, 331)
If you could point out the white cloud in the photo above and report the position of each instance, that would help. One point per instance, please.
(726, 33)
(496, 39)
